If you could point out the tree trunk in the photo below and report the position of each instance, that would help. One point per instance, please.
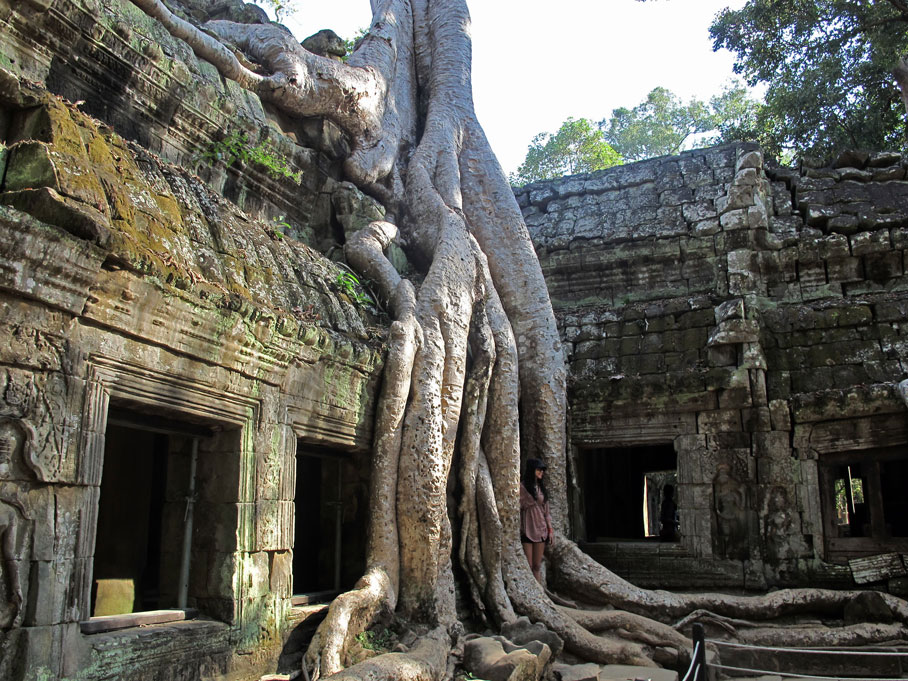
(900, 74)
(474, 378)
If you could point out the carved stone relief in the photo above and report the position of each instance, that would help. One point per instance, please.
(16, 437)
(730, 499)
(778, 529)
(43, 437)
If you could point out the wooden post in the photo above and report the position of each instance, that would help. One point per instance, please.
(700, 656)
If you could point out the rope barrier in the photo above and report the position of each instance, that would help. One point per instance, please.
(694, 668)
(799, 676)
(815, 651)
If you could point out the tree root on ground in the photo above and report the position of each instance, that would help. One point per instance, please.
(426, 661)
(474, 375)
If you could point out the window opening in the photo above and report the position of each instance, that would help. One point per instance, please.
(865, 508)
(625, 493)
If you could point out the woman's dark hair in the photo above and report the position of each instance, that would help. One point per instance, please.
(534, 486)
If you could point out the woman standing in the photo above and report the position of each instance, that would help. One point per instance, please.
(535, 521)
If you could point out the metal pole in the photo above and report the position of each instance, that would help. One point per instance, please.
(183, 595)
(700, 658)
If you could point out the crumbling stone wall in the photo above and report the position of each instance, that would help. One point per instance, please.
(749, 316)
(128, 282)
(124, 69)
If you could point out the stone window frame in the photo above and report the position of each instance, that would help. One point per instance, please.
(634, 437)
(837, 549)
(874, 424)
(109, 379)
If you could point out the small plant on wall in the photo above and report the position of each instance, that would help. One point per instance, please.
(237, 147)
(353, 288)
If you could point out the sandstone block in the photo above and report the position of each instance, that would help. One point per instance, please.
(486, 658)
(735, 331)
(843, 224)
(890, 174)
(221, 568)
(781, 199)
(734, 219)
(818, 215)
(698, 211)
(780, 416)
(724, 420)
(735, 398)
(845, 270)
(577, 672)
(883, 266)
(870, 242)
(722, 356)
(873, 220)
(706, 227)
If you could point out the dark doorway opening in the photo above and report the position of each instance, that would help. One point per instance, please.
(624, 491)
(141, 545)
(128, 546)
(331, 500)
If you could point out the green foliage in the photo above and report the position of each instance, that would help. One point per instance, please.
(828, 68)
(279, 229)
(657, 126)
(378, 640)
(739, 117)
(351, 43)
(237, 147)
(662, 124)
(350, 285)
(577, 147)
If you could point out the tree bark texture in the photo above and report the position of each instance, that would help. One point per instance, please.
(474, 378)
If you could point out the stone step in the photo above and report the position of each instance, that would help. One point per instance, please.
(623, 672)
(611, 672)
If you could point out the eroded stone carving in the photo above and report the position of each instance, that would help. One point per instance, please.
(731, 514)
(39, 439)
(13, 516)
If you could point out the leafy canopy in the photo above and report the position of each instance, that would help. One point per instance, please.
(577, 147)
(828, 68)
(662, 124)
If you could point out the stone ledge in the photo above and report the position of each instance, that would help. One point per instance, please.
(107, 623)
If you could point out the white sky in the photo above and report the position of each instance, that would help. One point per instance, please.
(535, 63)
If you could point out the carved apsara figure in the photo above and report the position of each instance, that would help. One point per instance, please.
(12, 516)
(731, 514)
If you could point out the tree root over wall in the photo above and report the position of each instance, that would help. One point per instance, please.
(474, 373)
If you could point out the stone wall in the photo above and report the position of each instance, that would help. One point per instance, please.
(744, 318)
(749, 318)
(135, 293)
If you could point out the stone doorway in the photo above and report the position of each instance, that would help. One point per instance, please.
(331, 517)
(148, 505)
(623, 491)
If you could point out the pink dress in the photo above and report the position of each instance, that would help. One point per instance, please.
(534, 516)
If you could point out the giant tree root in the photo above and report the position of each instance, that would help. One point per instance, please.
(426, 661)
(864, 634)
(580, 575)
(474, 377)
